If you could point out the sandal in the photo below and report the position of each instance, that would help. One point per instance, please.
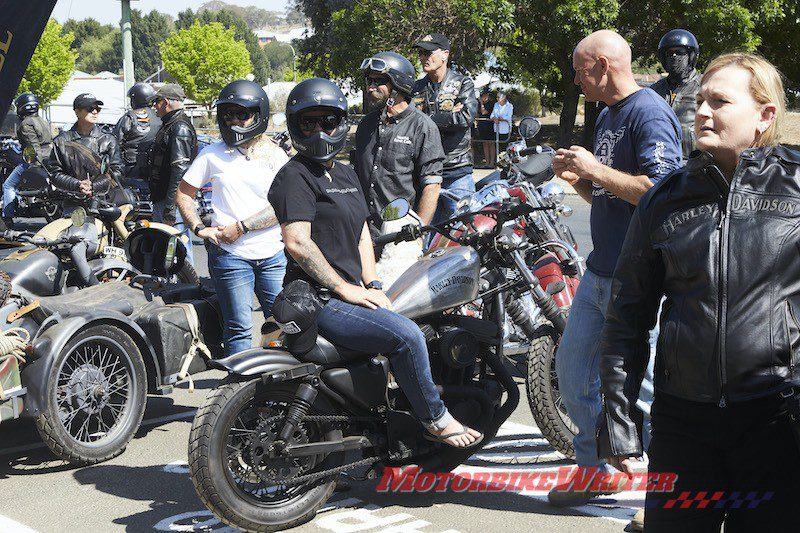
(442, 439)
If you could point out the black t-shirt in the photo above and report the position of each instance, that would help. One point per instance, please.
(331, 199)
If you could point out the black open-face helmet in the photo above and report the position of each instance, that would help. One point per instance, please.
(317, 93)
(141, 95)
(396, 67)
(245, 94)
(679, 37)
(26, 104)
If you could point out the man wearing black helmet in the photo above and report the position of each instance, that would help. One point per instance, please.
(449, 99)
(323, 218)
(245, 252)
(136, 130)
(174, 149)
(33, 131)
(678, 51)
(398, 153)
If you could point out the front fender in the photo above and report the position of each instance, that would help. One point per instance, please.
(255, 361)
(102, 264)
(49, 343)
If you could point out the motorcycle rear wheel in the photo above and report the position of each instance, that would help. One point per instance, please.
(541, 384)
(221, 465)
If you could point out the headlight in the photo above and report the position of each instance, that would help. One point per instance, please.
(553, 192)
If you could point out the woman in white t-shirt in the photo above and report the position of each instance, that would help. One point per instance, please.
(245, 252)
(502, 115)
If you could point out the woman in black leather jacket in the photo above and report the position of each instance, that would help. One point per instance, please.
(719, 240)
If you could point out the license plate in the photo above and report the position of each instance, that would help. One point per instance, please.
(113, 251)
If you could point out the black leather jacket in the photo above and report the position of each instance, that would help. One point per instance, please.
(455, 128)
(683, 100)
(99, 142)
(135, 132)
(174, 149)
(726, 261)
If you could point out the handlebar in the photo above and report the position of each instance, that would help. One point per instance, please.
(43, 242)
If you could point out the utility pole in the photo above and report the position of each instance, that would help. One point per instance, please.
(127, 46)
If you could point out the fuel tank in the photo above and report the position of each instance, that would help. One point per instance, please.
(444, 279)
(34, 270)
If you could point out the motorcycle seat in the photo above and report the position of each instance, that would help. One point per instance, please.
(112, 296)
(326, 353)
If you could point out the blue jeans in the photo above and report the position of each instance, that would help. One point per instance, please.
(446, 208)
(10, 189)
(578, 367)
(158, 216)
(395, 336)
(235, 279)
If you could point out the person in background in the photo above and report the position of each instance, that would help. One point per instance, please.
(449, 99)
(485, 129)
(33, 131)
(135, 132)
(502, 116)
(245, 252)
(174, 149)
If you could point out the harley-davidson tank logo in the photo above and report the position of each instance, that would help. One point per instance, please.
(51, 273)
(452, 280)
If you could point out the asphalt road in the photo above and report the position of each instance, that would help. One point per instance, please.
(147, 488)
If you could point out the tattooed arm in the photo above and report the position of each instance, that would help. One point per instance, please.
(297, 241)
(262, 220)
(184, 200)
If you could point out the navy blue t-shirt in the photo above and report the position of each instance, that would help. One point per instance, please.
(638, 135)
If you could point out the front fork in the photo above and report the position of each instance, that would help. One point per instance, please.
(543, 299)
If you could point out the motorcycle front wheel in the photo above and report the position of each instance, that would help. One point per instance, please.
(230, 466)
(544, 398)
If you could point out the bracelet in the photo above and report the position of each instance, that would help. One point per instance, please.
(245, 229)
(239, 231)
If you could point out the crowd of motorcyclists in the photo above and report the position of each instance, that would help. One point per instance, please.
(688, 302)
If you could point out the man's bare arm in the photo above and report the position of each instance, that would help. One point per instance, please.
(297, 241)
(584, 189)
(184, 199)
(426, 206)
(626, 186)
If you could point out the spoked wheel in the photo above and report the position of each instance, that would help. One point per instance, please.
(232, 467)
(96, 394)
(545, 400)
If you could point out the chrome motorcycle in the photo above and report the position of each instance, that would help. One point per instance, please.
(268, 444)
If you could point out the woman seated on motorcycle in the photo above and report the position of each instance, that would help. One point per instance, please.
(245, 252)
(719, 240)
(323, 215)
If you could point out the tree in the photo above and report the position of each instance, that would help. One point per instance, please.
(100, 53)
(86, 29)
(779, 42)
(205, 58)
(241, 31)
(281, 59)
(147, 34)
(51, 65)
(255, 17)
(348, 33)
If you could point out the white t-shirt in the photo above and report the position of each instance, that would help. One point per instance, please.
(240, 186)
(504, 112)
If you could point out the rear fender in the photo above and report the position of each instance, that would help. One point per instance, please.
(275, 365)
(49, 343)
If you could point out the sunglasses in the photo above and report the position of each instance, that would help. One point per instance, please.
(381, 80)
(241, 114)
(326, 122)
(426, 53)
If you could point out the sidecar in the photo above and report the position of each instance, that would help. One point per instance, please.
(82, 364)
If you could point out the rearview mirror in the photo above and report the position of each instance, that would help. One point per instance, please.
(529, 127)
(278, 119)
(29, 154)
(396, 210)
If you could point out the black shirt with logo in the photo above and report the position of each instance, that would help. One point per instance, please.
(331, 199)
(398, 158)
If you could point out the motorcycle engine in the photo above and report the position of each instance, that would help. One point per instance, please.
(458, 347)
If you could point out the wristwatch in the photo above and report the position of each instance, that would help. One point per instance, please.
(375, 284)
(198, 228)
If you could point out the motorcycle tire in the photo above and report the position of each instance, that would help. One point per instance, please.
(52, 211)
(81, 389)
(214, 470)
(187, 274)
(541, 385)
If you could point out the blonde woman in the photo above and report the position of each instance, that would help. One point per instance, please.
(719, 239)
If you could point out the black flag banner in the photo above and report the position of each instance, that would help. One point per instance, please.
(21, 27)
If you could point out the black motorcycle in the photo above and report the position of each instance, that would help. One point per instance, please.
(268, 444)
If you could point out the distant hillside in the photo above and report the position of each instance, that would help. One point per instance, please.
(257, 18)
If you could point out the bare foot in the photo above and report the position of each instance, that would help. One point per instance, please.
(458, 441)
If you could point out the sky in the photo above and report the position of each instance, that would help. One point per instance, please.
(108, 11)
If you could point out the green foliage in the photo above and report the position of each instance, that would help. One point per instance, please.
(780, 43)
(85, 30)
(204, 58)
(526, 102)
(51, 65)
(100, 53)
(147, 34)
(255, 17)
(231, 19)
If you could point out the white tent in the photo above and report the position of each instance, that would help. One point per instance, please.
(110, 91)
